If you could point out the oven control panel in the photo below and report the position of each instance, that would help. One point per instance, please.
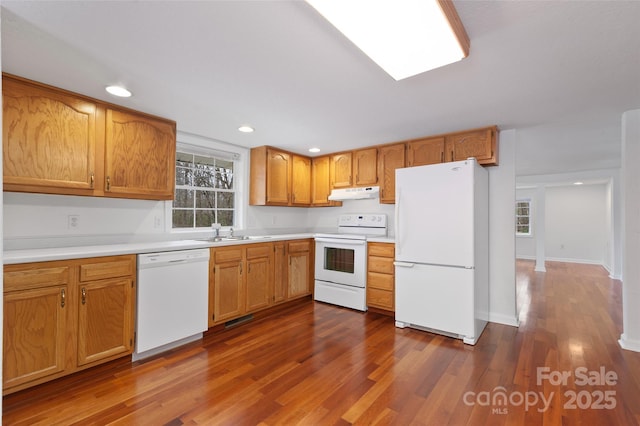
(374, 220)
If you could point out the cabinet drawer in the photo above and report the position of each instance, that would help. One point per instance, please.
(382, 249)
(258, 250)
(299, 246)
(227, 255)
(34, 277)
(383, 265)
(380, 298)
(380, 281)
(122, 266)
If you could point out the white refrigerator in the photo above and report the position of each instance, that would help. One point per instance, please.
(442, 249)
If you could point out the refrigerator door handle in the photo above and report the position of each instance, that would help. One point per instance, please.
(397, 224)
(404, 264)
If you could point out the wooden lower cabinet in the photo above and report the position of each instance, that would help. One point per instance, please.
(381, 276)
(247, 278)
(64, 316)
(240, 280)
(300, 270)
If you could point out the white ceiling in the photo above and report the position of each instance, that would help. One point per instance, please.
(560, 72)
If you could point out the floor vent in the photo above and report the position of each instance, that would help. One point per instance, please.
(238, 321)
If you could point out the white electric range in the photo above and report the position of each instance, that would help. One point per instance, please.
(341, 260)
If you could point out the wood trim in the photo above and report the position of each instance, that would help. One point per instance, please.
(449, 10)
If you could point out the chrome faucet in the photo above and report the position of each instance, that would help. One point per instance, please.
(230, 232)
(215, 227)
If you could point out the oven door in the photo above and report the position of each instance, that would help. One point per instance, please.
(341, 261)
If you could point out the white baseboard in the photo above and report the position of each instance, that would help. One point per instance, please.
(629, 344)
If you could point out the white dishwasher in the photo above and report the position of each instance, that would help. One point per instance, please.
(172, 300)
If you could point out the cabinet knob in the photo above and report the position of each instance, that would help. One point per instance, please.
(108, 183)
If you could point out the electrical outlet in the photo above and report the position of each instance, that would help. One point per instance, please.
(73, 221)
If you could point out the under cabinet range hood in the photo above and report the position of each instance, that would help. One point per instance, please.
(365, 192)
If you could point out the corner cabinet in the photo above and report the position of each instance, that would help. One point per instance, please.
(59, 142)
(64, 316)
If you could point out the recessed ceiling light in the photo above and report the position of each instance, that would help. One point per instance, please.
(245, 129)
(314, 149)
(118, 91)
(577, 183)
(404, 38)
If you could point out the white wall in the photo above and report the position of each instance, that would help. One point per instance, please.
(576, 223)
(601, 213)
(502, 269)
(630, 338)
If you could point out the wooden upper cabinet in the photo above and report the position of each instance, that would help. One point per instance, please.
(321, 182)
(478, 143)
(140, 156)
(391, 157)
(340, 170)
(60, 142)
(278, 177)
(270, 177)
(301, 181)
(49, 139)
(365, 166)
(425, 151)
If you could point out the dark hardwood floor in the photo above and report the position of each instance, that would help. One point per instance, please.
(317, 364)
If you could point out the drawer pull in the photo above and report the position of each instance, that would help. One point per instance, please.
(84, 295)
(63, 298)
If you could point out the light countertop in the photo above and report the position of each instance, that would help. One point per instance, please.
(86, 251)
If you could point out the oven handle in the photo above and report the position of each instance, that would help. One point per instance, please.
(341, 241)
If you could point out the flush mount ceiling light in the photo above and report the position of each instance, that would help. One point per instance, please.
(578, 183)
(245, 129)
(314, 150)
(404, 37)
(118, 91)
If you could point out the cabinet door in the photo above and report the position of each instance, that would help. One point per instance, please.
(340, 171)
(391, 157)
(257, 283)
(301, 181)
(480, 143)
(299, 270)
(228, 296)
(425, 151)
(259, 278)
(279, 272)
(105, 319)
(365, 166)
(48, 140)
(278, 177)
(140, 156)
(34, 334)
